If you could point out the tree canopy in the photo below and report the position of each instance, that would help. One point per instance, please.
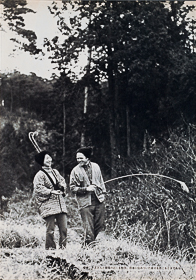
(143, 51)
(139, 78)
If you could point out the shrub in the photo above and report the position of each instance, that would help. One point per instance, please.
(156, 210)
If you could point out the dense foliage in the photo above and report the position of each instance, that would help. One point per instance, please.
(144, 52)
(27, 93)
(15, 170)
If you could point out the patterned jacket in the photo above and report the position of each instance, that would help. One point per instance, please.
(79, 181)
(49, 204)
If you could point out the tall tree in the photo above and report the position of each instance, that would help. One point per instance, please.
(137, 47)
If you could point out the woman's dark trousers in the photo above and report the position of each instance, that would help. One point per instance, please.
(61, 220)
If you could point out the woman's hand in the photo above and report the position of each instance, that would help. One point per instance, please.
(91, 188)
(56, 192)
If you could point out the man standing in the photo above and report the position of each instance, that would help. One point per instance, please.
(87, 183)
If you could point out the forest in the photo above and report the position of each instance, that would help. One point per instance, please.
(134, 103)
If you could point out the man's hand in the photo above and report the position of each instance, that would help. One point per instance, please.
(56, 192)
(91, 188)
(101, 197)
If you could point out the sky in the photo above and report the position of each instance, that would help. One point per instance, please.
(44, 25)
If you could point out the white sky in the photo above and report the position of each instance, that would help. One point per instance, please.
(44, 25)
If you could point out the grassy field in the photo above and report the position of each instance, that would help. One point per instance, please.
(112, 259)
(23, 256)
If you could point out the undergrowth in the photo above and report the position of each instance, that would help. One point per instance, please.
(156, 210)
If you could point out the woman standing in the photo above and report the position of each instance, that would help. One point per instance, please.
(49, 187)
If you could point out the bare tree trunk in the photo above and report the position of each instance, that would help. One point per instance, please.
(64, 132)
(113, 146)
(112, 96)
(84, 118)
(128, 131)
(193, 37)
(11, 101)
(82, 141)
(116, 111)
(1, 203)
(112, 120)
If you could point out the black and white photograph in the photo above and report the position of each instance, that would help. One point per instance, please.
(97, 140)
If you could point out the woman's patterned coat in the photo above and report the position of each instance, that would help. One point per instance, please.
(49, 204)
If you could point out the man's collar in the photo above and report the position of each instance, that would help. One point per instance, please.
(87, 164)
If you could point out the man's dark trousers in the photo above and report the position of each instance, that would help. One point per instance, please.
(93, 217)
